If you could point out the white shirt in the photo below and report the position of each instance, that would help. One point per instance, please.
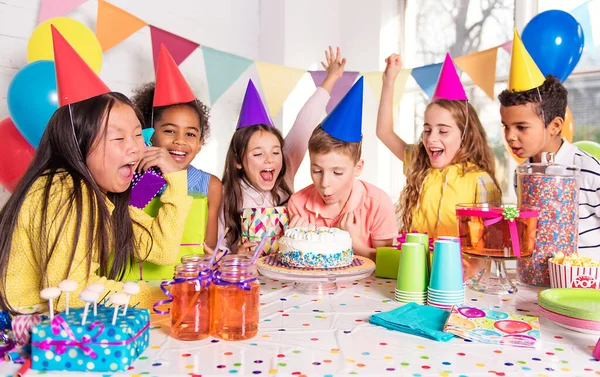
(589, 196)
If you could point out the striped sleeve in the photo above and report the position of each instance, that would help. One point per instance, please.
(589, 204)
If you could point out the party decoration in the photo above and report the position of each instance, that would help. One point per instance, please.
(345, 121)
(481, 68)
(32, 99)
(555, 41)
(490, 327)
(427, 76)
(114, 25)
(340, 88)
(15, 155)
(53, 8)
(180, 48)
(269, 221)
(568, 128)
(277, 82)
(253, 111)
(75, 79)
(373, 80)
(171, 87)
(590, 147)
(222, 70)
(82, 39)
(524, 73)
(448, 86)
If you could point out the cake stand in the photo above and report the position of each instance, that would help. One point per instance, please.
(317, 281)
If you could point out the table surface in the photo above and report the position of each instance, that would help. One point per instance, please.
(331, 335)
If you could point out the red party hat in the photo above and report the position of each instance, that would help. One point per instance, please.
(171, 88)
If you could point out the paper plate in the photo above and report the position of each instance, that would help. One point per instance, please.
(578, 303)
(575, 324)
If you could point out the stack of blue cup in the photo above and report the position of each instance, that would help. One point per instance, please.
(446, 286)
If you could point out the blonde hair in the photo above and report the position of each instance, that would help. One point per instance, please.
(321, 142)
(474, 154)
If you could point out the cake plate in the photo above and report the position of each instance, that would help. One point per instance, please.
(316, 281)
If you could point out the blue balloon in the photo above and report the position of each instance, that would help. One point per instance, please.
(32, 99)
(554, 39)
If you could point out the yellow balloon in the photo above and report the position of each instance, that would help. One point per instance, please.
(82, 39)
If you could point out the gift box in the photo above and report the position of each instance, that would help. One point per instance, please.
(387, 260)
(257, 221)
(194, 234)
(63, 343)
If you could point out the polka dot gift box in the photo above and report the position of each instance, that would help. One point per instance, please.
(63, 343)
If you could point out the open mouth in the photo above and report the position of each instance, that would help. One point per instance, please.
(267, 175)
(178, 155)
(516, 151)
(126, 171)
(436, 152)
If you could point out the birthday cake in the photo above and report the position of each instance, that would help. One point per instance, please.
(310, 247)
(63, 343)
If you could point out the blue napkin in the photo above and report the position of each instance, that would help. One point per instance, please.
(415, 319)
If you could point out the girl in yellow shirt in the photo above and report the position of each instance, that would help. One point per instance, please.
(451, 164)
(69, 214)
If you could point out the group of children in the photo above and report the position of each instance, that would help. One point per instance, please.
(70, 217)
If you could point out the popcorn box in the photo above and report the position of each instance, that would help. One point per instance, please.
(569, 276)
(194, 234)
(258, 221)
(97, 346)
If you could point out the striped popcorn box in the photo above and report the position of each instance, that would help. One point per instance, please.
(568, 276)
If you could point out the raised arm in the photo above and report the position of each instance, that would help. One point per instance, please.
(296, 141)
(385, 117)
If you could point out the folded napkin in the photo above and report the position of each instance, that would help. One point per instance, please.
(415, 319)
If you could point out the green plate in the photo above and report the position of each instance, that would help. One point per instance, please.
(579, 303)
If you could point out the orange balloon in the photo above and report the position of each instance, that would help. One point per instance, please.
(568, 128)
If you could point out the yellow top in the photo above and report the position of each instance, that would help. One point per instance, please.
(442, 191)
(160, 235)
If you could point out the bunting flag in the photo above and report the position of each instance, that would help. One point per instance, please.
(180, 48)
(341, 87)
(481, 68)
(507, 46)
(375, 82)
(582, 15)
(427, 77)
(277, 82)
(55, 8)
(222, 70)
(114, 25)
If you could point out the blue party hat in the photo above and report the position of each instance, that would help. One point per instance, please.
(344, 122)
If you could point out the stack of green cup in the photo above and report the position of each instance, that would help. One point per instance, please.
(422, 239)
(411, 285)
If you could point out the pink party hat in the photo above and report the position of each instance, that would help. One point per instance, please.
(449, 86)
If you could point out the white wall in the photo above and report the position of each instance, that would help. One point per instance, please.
(289, 32)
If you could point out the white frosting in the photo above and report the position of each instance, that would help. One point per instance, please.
(321, 240)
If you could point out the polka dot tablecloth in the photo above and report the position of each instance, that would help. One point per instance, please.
(330, 335)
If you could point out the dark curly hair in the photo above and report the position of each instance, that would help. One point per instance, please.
(552, 104)
(144, 96)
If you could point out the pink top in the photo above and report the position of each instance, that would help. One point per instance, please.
(296, 144)
(371, 205)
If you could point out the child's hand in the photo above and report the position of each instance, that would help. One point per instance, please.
(298, 221)
(247, 247)
(334, 66)
(393, 66)
(159, 157)
(351, 224)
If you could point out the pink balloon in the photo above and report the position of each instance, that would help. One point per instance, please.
(472, 312)
(510, 326)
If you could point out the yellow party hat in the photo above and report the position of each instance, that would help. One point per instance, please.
(524, 73)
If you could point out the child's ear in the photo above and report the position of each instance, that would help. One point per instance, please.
(555, 126)
(359, 167)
